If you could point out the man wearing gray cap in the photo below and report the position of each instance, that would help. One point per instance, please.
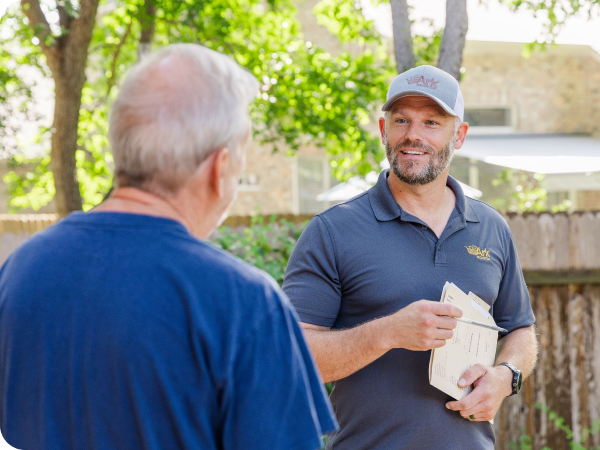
(366, 276)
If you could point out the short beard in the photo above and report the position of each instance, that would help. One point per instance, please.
(438, 161)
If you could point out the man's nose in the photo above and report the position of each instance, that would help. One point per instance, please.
(413, 133)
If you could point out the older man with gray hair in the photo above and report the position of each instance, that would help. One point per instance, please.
(121, 329)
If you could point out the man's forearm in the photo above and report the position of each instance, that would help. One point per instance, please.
(520, 348)
(341, 353)
(420, 326)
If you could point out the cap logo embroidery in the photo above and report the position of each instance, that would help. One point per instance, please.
(420, 80)
(476, 251)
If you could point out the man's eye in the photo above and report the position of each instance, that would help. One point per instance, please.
(401, 121)
(431, 122)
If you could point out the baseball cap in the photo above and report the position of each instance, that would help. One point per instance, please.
(430, 82)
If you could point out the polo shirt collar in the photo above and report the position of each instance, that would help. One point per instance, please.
(386, 208)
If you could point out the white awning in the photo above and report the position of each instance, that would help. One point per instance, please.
(539, 153)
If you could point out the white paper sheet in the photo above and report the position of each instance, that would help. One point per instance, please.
(470, 345)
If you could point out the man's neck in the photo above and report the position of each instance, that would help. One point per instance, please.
(433, 202)
(135, 201)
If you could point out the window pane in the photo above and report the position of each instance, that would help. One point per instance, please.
(488, 117)
(310, 184)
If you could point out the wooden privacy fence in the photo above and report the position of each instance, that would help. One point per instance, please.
(560, 256)
(16, 228)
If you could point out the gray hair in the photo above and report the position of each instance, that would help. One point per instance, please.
(174, 110)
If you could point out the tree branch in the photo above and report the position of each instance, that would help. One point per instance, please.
(113, 65)
(64, 17)
(41, 28)
(83, 26)
(453, 41)
(148, 25)
(403, 45)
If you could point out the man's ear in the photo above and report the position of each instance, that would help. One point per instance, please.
(461, 134)
(221, 165)
(382, 129)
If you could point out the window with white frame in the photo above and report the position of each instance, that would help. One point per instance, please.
(490, 119)
(312, 178)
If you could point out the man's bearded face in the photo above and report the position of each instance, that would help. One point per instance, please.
(414, 172)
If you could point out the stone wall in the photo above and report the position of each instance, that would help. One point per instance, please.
(555, 91)
(588, 200)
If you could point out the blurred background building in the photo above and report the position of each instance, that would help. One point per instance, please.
(533, 133)
(527, 116)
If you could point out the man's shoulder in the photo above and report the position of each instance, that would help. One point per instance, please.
(244, 272)
(348, 209)
(490, 217)
(486, 212)
(173, 247)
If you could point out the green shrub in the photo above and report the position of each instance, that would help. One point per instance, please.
(264, 244)
(524, 442)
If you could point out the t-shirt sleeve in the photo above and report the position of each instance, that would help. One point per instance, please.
(512, 308)
(277, 398)
(311, 280)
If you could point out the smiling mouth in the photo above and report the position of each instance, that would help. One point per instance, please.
(410, 152)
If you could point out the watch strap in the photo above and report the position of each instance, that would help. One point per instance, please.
(515, 385)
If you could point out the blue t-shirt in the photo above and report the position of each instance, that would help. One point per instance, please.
(123, 331)
(368, 258)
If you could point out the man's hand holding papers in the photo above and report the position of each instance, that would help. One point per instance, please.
(420, 326)
(463, 367)
(491, 386)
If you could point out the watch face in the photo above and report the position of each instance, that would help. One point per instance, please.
(519, 382)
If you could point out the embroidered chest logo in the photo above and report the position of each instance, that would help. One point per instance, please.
(421, 81)
(476, 251)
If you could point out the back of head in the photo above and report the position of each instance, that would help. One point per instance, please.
(174, 109)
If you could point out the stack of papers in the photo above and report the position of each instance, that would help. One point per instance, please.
(471, 344)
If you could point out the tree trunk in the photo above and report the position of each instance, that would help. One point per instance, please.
(453, 41)
(64, 146)
(148, 25)
(67, 57)
(403, 45)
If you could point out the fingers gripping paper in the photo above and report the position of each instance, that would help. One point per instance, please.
(471, 344)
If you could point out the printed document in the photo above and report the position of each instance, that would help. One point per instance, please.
(471, 344)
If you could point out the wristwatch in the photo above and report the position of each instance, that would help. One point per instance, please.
(517, 379)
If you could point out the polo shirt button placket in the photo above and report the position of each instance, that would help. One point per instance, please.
(440, 258)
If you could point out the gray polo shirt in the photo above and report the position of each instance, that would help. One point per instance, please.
(367, 258)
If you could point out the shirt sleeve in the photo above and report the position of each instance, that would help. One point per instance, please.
(311, 280)
(512, 308)
(277, 398)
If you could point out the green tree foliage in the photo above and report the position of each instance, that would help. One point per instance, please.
(345, 19)
(307, 95)
(13, 86)
(558, 13)
(427, 48)
(521, 192)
